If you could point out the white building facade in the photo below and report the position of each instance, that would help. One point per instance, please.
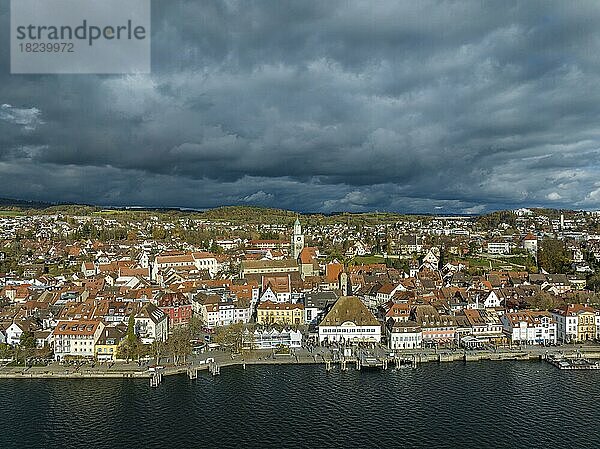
(530, 327)
(348, 332)
(566, 325)
(405, 335)
(151, 324)
(76, 338)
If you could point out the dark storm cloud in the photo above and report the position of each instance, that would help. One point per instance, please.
(408, 106)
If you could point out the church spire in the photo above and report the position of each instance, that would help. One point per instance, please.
(297, 226)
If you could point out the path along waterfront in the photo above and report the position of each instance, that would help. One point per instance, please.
(300, 356)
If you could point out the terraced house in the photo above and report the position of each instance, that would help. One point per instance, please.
(280, 313)
(76, 338)
(107, 346)
(404, 334)
(436, 328)
(532, 327)
(577, 323)
(151, 324)
(176, 306)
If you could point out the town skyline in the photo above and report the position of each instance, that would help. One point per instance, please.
(86, 271)
(146, 296)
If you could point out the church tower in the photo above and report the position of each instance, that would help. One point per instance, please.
(297, 240)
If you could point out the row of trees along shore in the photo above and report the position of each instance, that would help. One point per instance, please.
(179, 345)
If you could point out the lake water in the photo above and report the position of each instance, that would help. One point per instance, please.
(455, 405)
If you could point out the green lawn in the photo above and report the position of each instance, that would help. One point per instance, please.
(360, 260)
(497, 264)
(11, 213)
(478, 262)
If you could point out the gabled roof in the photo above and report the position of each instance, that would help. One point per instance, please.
(172, 299)
(574, 309)
(262, 264)
(200, 255)
(558, 279)
(332, 271)
(268, 305)
(405, 326)
(308, 255)
(398, 310)
(152, 312)
(531, 317)
(179, 258)
(386, 288)
(81, 327)
(320, 299)
(278, 284)
(115, 333)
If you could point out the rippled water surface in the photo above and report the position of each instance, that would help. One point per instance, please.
(475, 405)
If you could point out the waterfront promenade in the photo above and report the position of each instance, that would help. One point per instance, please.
(302, 356)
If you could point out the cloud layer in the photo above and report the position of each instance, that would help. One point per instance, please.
(323, 106)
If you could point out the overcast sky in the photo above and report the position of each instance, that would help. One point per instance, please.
(413, 106)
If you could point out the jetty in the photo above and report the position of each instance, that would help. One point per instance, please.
(155, 379)
(565, 363)
(370, 361)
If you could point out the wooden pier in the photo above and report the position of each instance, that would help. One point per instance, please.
(565, 363)
(404, 362)
(361, 361)
(370, 361)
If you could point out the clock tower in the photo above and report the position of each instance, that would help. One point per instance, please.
(297, 240)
